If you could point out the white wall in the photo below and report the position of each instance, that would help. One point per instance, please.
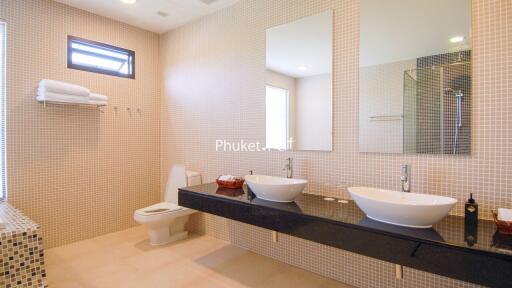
(381, 91)
(314, 107)
(388, 35)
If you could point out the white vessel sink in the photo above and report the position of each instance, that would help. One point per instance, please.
(402, 208)
(275, 189)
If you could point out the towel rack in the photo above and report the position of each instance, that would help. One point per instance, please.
(77, 104)
(386, 118)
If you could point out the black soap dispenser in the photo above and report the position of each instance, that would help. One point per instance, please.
(471, 211)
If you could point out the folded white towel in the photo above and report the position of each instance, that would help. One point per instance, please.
(42, 91)
(504, 214)
(60, 87)
(98, 97)
(63, 98)
(228, 178)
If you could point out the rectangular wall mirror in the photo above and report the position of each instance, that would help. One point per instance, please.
(415, 76)
(298, 84)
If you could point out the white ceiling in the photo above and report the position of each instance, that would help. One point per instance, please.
(306, 42)
(143, 13)
(396, 30)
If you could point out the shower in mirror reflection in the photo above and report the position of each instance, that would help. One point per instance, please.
(436, 121)
(458, 116)
(405, 71)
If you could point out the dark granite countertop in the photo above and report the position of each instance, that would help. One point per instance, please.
(451, 231)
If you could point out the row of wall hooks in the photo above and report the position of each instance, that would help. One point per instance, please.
(128, 109)
(99, 107)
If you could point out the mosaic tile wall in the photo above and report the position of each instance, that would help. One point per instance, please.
(76, 171)
(22, 259)
(213, 72)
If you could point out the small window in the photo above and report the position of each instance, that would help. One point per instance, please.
(101, 58)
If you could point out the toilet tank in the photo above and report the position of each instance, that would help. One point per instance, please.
(193, 178)
(179, 177)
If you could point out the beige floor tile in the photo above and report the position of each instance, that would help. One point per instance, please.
(125, 259)
(232, 265)
(292, 277)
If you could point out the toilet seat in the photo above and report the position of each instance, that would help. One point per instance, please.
(165, 221)
(159, 208)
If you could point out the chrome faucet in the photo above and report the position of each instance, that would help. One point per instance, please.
(404, 178)
(289, 168)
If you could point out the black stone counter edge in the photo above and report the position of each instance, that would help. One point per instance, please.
(480, 267)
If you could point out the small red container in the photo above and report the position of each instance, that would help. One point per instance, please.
(504, 227)
(235, 184)
(230, 192)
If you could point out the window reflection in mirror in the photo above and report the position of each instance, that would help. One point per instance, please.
(415, 76)
(299, 65)
(276, 103)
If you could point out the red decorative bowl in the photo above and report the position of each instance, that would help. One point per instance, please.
(230, 192)
(504, 227)
(235, 184)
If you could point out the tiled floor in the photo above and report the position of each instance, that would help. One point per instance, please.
(125, 259)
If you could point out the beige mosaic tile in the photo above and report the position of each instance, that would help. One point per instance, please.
(213, 76)
(76, 171)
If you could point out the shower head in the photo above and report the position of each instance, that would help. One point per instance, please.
(451, 91)
(448, 90)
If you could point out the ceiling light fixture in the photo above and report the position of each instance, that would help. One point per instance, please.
(302, 67)
(128, 1)
(207, 2)
(457, 39)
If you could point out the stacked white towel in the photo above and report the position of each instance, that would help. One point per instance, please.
(229, 178)
(64, 98)
(98, 99)
(63, 88)
(57, 91)
(505, 214)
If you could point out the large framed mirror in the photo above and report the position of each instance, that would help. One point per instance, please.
(298, 84)
(415, 76)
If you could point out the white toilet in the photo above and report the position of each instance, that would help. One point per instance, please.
(165, 221)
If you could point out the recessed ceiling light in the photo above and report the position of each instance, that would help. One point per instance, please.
(208, 2)
(128, 1)
(302, 67)
(457, 39)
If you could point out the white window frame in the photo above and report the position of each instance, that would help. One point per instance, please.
(3, 91)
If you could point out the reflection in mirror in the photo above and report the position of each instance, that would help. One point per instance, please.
(415, 76)
(299, 84)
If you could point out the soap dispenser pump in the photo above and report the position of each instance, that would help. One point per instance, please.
(471, 211)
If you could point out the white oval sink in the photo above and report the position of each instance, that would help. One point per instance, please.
(402, 208)
(275, 189)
